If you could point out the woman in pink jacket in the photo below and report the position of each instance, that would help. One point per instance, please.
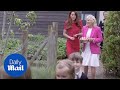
(92, 37)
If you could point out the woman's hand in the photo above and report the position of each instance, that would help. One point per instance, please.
(91, 39)
(78, 35)
(72, 38)
(84, 39)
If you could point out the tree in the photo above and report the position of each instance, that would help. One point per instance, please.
(3, 26)
(24, 26)
(111, 46)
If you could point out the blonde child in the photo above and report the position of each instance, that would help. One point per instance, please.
(65, 70)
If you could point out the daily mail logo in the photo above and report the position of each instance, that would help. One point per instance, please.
(15, 65)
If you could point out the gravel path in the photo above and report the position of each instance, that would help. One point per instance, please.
(100, 73)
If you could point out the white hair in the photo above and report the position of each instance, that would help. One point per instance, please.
(92, 17)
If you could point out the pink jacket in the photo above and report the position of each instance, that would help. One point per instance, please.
(97, 34)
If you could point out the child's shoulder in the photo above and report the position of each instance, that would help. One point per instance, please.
(83, 76)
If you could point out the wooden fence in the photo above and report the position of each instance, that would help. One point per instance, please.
(50, 41)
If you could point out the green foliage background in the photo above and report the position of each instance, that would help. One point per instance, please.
(111, 47)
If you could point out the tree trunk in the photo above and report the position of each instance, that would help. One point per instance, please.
(24, 43)
(1, 57)
(9, 28)
(3, 26)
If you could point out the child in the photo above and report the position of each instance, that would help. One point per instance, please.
(65, 70)
(4, 75)
(77, 60)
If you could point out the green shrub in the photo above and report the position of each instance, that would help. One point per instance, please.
(12, 46)
(33, 45)
(36, 38)
(111, 47)
(43, 72)
(61, 48)
(34, 41)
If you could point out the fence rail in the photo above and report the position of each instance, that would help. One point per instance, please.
(50, 42)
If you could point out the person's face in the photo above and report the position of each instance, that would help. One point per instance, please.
(63, 73)
(105, 15)
(73, 16)
(77, 64)
(89, 21)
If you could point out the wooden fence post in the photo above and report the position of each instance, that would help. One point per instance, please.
(4, 22)
(52, 44)
(24, 43)
(1, 57)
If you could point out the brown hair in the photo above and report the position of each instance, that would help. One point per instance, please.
(69, 21)
(76, 56)
(66, 63)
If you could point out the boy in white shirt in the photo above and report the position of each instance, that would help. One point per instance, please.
(77, 60)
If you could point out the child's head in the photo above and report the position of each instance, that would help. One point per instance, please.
(77, 60)
(105, 14)
(65, 70)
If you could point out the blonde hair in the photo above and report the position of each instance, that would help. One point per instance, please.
(93, 17)
(66, 63)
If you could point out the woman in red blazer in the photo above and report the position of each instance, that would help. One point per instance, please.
(92, 36)
(72, 29)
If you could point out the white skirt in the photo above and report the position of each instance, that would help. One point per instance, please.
(90, 59)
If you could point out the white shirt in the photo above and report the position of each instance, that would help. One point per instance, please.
(78, 74)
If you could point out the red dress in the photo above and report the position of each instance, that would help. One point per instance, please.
(73, 45)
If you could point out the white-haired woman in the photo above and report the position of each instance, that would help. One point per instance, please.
(91, 37)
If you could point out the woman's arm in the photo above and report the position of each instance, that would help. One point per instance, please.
(80, 33)
(65, 32)
(99, 37)
(67, 36)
